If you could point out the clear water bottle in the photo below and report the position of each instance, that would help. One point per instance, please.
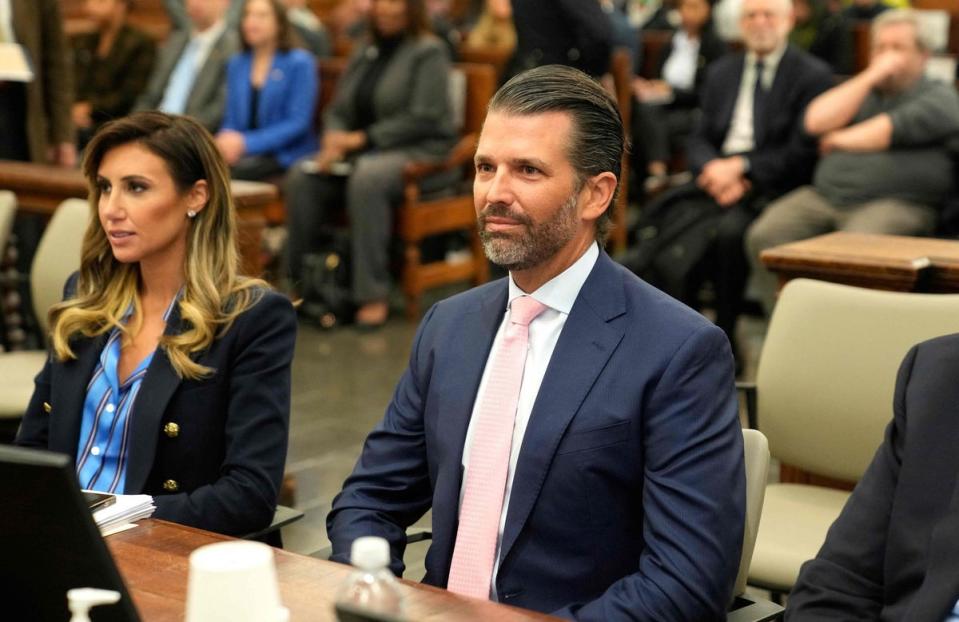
(371, 588)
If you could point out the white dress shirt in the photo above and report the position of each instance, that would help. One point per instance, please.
(558, 294)
(740, 138)
(680, 68)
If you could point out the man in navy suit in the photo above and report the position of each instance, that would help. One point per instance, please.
(621, 487)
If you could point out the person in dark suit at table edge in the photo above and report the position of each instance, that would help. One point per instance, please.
(603, 408)
(893, 553)
(169, 373)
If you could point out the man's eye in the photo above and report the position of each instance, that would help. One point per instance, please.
(483, 168)
(530, 170)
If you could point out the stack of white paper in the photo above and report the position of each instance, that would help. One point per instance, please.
(126, 510)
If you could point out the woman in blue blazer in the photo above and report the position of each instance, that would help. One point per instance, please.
(169, 373)
(271, 92)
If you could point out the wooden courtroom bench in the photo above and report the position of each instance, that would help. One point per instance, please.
(40, 188)
(888, 262)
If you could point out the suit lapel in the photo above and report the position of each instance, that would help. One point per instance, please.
(478, 328)
(67, 411)
(781, 82)
(729, 103)
(584, 347)
(156, 389)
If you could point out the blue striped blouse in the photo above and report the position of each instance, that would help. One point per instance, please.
(104, 443)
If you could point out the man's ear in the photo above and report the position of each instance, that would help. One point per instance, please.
(599, 190)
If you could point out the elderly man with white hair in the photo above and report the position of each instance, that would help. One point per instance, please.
(885, 137)
(747, 150)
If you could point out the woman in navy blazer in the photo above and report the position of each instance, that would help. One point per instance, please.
(169, 373)
(271, 92)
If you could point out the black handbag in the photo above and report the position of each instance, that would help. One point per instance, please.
(672, 237)
(326, 291)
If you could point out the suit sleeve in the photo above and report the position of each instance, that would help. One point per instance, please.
(699, 147)
(299, 96)
(795, 158)
(243, 498)
(389, 488)
(594, 34)
(845, 580)
(35, 428)
(694, 494)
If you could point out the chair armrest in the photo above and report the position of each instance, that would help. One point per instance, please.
(282, 517)
(748, 389)
(746, 608)
(462, 152)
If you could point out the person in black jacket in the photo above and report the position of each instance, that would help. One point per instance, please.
(748, 146)
(666, 107)
(576, 33)
(893, 553)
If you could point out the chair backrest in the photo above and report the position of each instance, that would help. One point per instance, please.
(57, 256)
(8, 209)
(828, 368)
(756, 450)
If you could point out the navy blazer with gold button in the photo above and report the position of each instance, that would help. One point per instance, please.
(210, 451)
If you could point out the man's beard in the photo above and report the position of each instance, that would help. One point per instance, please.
(537, 242)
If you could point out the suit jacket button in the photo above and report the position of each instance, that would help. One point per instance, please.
(172, 430)
(171, 485)
(47, 407)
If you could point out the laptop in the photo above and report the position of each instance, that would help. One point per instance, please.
(49, 542)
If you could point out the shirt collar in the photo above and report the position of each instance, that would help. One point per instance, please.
(211, 34)
(560, 292)
(770, 61)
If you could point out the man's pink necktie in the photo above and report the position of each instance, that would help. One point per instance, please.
(472, 567)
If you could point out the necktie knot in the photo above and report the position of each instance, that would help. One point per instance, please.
(524, 310)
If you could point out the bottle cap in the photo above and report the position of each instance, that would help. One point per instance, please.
(81, 599)
(370, 553)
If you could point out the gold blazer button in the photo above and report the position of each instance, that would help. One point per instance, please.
(47, 407)
(172, 430)
(171, 485)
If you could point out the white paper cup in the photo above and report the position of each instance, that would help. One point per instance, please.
(233, 581)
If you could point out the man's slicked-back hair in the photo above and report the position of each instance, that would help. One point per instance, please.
(597, 142)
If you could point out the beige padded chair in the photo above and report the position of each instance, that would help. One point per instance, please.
(57, 256)
(824, 392)
(746, 608)
(8, 209)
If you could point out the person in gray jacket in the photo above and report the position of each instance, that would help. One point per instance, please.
(887, 138)
(391, 106)
(189, 76)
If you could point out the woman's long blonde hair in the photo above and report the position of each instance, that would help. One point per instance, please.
(213, 294)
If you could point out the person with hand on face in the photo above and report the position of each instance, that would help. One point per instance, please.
(391, 106)
(887, 138)
(111, 66)
(572, 428)
(271, 96)
(169, 373)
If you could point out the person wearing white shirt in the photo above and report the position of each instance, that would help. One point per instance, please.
(572, 428)
(189, 76)
(747, 149)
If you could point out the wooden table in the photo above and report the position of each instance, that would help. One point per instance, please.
(154, 562)
(40, 188)
(889, 262)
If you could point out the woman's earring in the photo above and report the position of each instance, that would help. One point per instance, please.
(191, 213)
